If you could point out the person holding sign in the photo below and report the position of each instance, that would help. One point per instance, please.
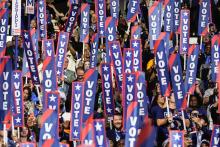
(161, 118)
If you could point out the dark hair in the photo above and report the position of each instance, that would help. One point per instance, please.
(154, 102)
(29, 91)
(198, 98)
(117, 113)
(79, 68)
(205, 118)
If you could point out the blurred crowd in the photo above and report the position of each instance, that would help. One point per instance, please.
(199, 116)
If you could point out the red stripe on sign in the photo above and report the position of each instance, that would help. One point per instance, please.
(204, 32)
(3, 64)
(48, 143)
(2, 5)
(214, 39)
(166, 3)
(156, 45)
(131, 107)
(191, 49)
(2, 54)
(107, 22)
(83, 7)
(167, 92)
(2, 12)
(132, 19)
(86, 40)
(88, 74)
(145, 132)
(171, 60)
(93, 38)
(162, 35)
(90, 119)
(46, 62)
(153, 7)
(134, 29)
(7, 120)
(85, 131)
(32, 32)
(46, 115)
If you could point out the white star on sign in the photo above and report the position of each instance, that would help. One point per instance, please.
(185, 13)
(18, 120)
(35, 78)
(105, 68)
(58, 72)
(63, 36)
(217, 131)
(16, 75)
(101, 32)
(77, 87)
(135, 44)
(41, 2)
(25, 35)
(75, 133)
(75, 7)
(52, 98)
(98, 127)
(130, 78)
(176, 136)
(42, 35)
(109, 110)
(184, 48)
(114, 46)
(128, 54)
(48, 44)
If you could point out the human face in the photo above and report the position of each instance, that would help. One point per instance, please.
(160, 99)
(80, 75)
(94, 19)
(86, 53)
(24, 132)
(117, 121)
(26, 94)
(208, 49)
(66, 62)
(33, 24)
(86, 65)
(193, 101)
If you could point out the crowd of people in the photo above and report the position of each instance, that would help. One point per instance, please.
(199, 117)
